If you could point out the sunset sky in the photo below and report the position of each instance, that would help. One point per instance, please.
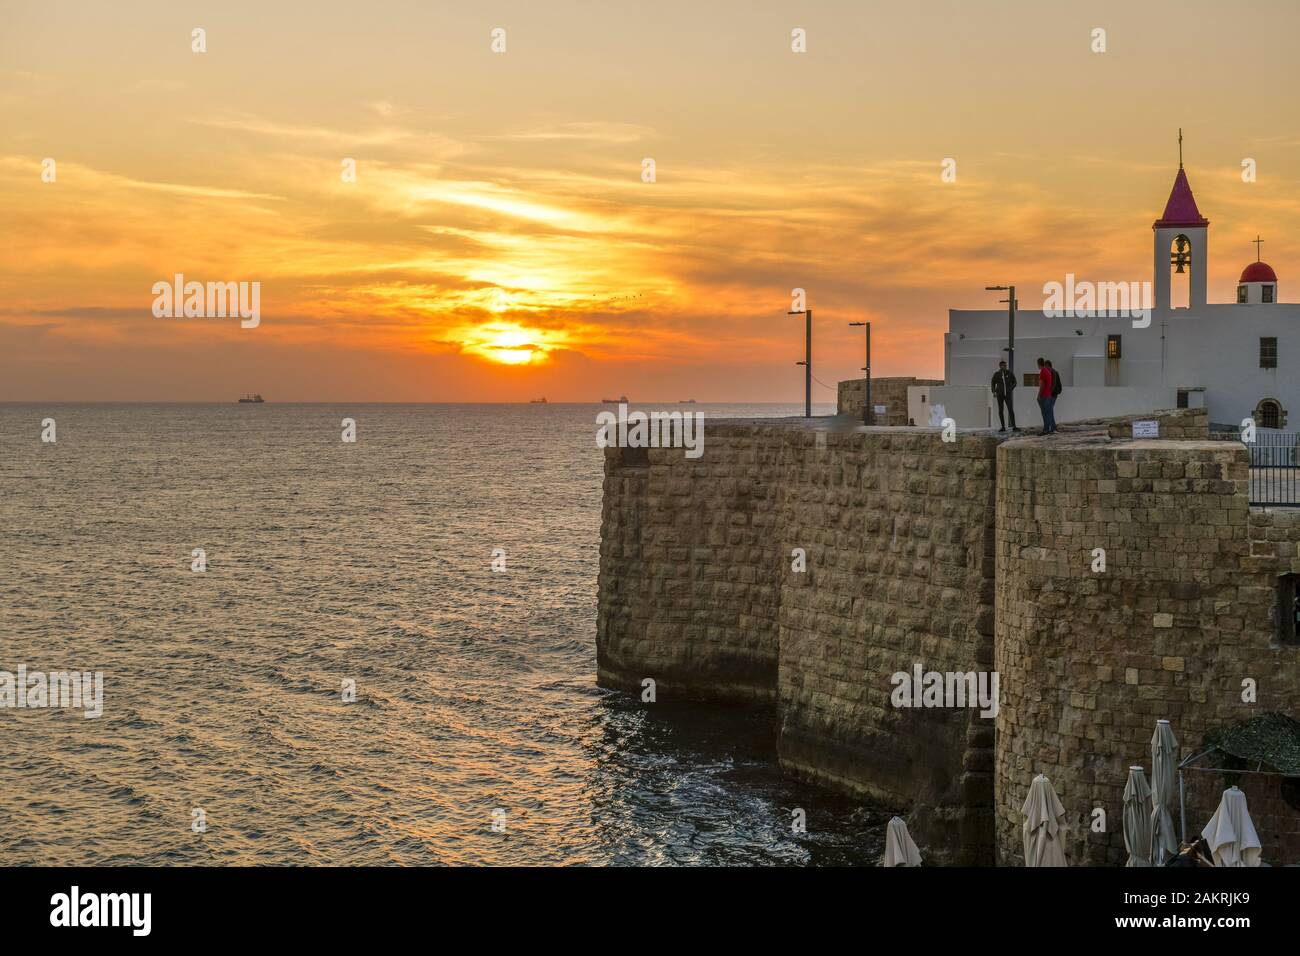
(499, 243)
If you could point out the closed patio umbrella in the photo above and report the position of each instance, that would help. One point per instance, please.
(1044, 822)
(899, 848)
(1137, 818)
(1164, 776)
(1230, 832)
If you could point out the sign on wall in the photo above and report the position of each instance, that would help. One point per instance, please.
(1146, 429)
(881, 409)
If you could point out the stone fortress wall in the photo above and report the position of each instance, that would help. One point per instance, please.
(1183, 614)
(698, 593)
(889, 392)
(961, 556)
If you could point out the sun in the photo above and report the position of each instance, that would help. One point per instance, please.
(509, 344)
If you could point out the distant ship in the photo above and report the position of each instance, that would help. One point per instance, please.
(537, 401)
(621, 400)
(255, 399)
(687, 401)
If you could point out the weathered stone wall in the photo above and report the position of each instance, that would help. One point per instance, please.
(697, 592)
(890, 392)
(898, 528)
(1174, 424)
(1184, 611)
(688, 583)
(914, 548)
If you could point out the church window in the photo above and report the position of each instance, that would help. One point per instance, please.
(1268, 353)
(1268, 293)
(1241, 294)
(1112, 346)
(1269, 414)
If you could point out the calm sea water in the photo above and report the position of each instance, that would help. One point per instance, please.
(372, 562)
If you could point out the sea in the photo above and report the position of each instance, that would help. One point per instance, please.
(350, 681)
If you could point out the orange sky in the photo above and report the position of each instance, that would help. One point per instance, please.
(499, 243)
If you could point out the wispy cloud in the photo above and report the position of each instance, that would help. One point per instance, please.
(607, 133)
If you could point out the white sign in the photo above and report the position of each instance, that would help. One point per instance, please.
(881, 409)
(1146, 429)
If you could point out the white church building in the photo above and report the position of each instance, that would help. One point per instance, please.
(1230, 357)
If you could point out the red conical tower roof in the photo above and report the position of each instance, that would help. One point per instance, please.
(1181, 209)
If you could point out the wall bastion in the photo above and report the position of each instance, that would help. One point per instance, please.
(968, 555)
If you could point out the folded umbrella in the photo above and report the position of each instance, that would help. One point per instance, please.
(899, 848)
(1137, 818)
(1164, 775)
(1044, 823)
(1230, 832)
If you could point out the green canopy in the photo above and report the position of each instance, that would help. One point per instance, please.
(1269, 738)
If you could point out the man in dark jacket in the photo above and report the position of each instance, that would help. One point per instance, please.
(1003, 385)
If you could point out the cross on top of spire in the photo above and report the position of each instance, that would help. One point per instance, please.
(1258, 242)
(1180, 147)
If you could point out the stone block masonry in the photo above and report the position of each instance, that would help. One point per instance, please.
(689, 584)
(1182, 424)
(964, 556)
(698, 592)
(890, 392)
(1185, 611)
(898, 531)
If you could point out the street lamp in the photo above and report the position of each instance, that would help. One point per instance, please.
(1011, 321)
(868, 411)
(807, 362)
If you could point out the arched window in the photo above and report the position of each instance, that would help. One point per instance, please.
(1180, 265)
(1268, 414)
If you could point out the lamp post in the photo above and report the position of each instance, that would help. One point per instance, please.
(1011, 321)
(807, 362)
(868, 410)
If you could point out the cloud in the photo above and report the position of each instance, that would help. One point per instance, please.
(431, 144)
(611, 133)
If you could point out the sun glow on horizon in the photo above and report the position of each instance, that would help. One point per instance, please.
(509, 343)
(469, 226)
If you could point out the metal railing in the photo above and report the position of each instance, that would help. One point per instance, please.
(1275, 469)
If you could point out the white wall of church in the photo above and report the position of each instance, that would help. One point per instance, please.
(1215, 347)
(1220, 348)
(972, 406)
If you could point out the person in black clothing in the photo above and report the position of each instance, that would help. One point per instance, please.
(1003, 385)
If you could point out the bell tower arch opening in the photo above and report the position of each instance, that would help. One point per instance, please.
(1180, 272)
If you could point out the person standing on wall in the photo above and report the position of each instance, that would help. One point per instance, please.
(1046, 381)
(1057, 388)
(1003, 384)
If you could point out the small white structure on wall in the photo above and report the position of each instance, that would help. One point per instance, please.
(1237, 359)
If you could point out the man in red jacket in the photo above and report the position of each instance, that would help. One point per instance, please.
(1045, 399)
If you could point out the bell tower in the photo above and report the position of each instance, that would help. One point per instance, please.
(1180, 242)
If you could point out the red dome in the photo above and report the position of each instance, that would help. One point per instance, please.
(1258, 272)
